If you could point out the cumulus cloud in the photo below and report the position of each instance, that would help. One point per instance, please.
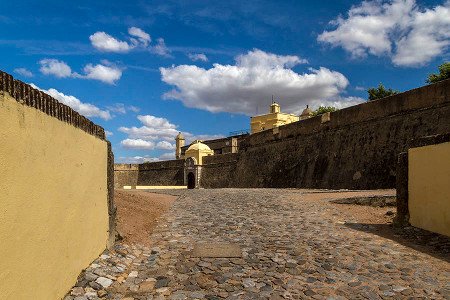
(156, 134)
(85, 109)
(105, 72)
(23, 72)
(137, 38)
(250, 82)
(160, 48)
(137, 144)
(55, 67)
(167, 156)
(198, 57)
(142, 36)
(165, 145)
(399, 29)
(137, 159)
(106, 43)
(153, 128)
(122, 109)
(108, 133)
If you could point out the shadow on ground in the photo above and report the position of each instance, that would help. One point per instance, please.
(418, 239)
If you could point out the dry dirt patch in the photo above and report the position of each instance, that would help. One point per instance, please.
(137, 213)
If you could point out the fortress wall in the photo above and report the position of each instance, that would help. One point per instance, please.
(219, 170)
(356, 149)
(56, 207)
(165, 173)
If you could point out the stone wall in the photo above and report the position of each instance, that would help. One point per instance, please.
(164, 173)
(56, 198)
(355, 148)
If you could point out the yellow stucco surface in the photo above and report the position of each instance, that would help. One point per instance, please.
(271, 120)
(429, 187)
(53, 202)
(198, 150)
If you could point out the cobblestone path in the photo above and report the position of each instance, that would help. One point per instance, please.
(293, 248)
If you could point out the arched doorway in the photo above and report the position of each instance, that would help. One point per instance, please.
(191, 180)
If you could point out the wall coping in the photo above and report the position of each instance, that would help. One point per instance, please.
(27, 95)
(420, 98)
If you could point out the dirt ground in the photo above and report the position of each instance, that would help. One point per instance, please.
(358, 213)
(137, 213)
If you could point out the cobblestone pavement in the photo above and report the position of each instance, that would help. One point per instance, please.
(292, 249)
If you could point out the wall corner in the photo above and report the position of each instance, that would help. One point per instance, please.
(402, 217)
(111, 206)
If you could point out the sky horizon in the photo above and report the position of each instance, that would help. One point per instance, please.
(146, 70)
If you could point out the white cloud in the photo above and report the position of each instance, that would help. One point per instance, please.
(108, 133)
(122, 109)
(160, 48)
(165, 145)
(55, 67)
(137, 144)
(137, 38)
(398, 29)
(134, 108)
(198, 57)
(137, 159)
(251, 82)
(153, 128)
(167, 156)
(157, 134)
(106, 43)
(23, 72)
(143, 36)
(106, 74)
(85, 109)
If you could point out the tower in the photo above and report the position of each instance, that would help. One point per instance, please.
(179, 143)
(274, 108)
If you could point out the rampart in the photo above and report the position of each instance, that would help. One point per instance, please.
(163, 173)
(56, 194)
(353, 148)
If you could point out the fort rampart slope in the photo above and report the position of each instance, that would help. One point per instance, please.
(353, 148)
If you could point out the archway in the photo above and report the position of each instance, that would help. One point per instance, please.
(191, 180)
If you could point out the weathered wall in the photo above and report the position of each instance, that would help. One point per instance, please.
(219, 170)
(165, 173)
(356, 149)
(54, 205)
(429, 188)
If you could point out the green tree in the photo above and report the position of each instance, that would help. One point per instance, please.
(444, 73)
(324, 109)
(380, 92)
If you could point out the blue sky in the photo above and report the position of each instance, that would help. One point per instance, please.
(145, 70)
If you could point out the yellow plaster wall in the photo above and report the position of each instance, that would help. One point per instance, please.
(271, 120)
(53, 202)
(429, 187)
(198, 155)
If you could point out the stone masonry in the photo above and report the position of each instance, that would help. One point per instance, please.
(292, 248)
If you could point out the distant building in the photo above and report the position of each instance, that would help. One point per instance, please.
(306, 114)
(218, 146)
(271, 120)
(179, 141)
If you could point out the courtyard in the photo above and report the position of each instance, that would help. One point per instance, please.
(264, 244)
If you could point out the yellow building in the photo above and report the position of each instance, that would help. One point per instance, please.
(179, 140)
(273, 119)
(198, 150)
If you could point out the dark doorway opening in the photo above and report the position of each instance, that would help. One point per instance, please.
(191, 180)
